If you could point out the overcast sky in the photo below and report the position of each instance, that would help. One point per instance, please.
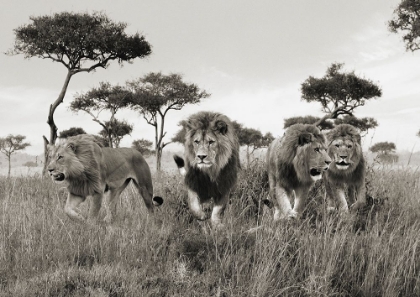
(252, 56)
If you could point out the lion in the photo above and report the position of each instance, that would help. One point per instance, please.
(347, 169)
(87, 169)
(294, 162)
(211, 163)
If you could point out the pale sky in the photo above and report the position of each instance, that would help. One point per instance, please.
(252, 56)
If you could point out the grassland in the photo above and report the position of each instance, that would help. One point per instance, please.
(373, 253)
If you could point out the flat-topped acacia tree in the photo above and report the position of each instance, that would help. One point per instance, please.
(82, 42)
(339, 92)
(155, 94)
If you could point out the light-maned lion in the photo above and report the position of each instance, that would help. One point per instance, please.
(347, 169)
(87, 169)
(294, 162)
(211, 163)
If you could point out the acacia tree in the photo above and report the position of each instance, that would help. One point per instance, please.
(155, 94)
(363, 124)
(81, 42)
(339, 92)
(73, 131)
(10, 145)
(144, 146)
(386, 151)
(115, 131)
(106, 97)
(407, 21)
(308, 120)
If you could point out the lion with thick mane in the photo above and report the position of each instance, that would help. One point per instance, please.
(211, 163)
(87, 169)
(347, 169)
(294, 162)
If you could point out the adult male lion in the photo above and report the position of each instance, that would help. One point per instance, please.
(87, 169)
(295, 161)
(347, 169)
(212, 163)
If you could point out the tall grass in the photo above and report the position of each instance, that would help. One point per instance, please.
(372, 253)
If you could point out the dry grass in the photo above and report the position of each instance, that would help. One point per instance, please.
(373, 253)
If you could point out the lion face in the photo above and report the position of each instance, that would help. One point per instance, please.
(314, 157)
(205, 149)
(63, 163)
(343, 151)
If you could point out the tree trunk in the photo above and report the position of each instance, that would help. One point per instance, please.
(44, 169)
(10, 166)
(247, 156)
(50, 121)
(158, 159)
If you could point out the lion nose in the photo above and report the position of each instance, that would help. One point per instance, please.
(343, 157)
(202, 157)
(50, 170)
(328, 162)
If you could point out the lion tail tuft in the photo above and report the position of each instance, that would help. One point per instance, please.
(157, 200)
(180, 163)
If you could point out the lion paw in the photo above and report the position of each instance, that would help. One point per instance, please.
(292, 214)
(357, 205)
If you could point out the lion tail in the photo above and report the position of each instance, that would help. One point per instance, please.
(180, 163)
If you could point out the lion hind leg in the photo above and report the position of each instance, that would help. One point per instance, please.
(71, 205)
(95, 205)
(111, 198)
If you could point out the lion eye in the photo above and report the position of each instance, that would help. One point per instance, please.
(317, 149)
(349, 146)
(196, 141)
(337, 145)
(211, 142)
(59, 157)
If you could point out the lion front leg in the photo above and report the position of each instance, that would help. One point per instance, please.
(218, 210)
(282, 205)
(336, 196)
(359, 192)
(301, 197)
(70, 208)
(195, 206)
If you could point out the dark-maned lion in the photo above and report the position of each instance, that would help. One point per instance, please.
(347, 169)
(294, 162)
(87, 169)
(211, 162)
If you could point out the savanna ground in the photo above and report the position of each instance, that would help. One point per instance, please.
(375, 252)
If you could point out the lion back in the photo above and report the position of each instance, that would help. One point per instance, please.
(282, 152)
(223, 175)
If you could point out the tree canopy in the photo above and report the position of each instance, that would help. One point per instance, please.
(339, 92)
(144, 146)
(73, 131)
(308, 120)
(10, 144)
(115, 131)
(386, 151)
(383, 147)
(407, 22)
(96, 100)
(155, 94)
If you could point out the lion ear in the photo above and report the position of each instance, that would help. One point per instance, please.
(71, 146)
(304, 139)
(221, 126)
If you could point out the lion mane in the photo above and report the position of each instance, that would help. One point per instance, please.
(88, 169)
(347, 169)
(211, 162)
(294, 162)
